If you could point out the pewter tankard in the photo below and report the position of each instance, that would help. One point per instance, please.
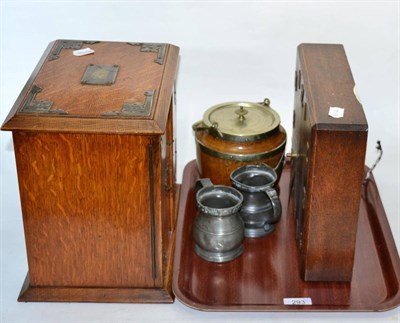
(218, 228)
(261, 208)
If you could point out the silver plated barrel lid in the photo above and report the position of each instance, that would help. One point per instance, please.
(240, 121)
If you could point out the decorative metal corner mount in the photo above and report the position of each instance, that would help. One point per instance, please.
(65, 43)
(32, 106)
(153, 47)
(135, 109)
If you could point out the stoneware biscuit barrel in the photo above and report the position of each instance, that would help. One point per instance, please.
(234, 134)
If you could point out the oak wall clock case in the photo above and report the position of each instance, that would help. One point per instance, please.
(328, 164)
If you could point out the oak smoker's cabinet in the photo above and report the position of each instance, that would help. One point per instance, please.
(328, 164)
(94, 148)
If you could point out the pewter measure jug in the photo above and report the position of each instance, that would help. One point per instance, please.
(218, 228)
(261, 208)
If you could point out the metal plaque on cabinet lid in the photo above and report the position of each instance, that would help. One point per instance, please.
(242, 121)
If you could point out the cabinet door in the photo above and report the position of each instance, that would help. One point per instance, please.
(86, 209)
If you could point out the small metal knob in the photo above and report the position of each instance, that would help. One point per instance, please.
(241, 112)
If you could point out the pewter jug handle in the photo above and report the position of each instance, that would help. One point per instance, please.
(276, 204)
(203, 182)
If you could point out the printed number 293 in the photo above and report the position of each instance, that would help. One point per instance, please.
(297, 301)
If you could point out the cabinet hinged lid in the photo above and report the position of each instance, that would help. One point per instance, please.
(98, 87)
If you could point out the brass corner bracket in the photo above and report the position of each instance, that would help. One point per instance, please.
(153, 47)
(70, 44)
(33, 106)
(135, 109)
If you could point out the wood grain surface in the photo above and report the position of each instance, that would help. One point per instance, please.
(98, 192)
(60, 81)
(218, 168)
(86, 207)
(85, 202)
(31, 293)
(269, 269)
(329, 168)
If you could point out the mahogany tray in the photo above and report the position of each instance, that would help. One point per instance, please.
(268, 271)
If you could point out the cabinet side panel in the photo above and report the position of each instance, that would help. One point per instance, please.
(332, 204)
(85, 204)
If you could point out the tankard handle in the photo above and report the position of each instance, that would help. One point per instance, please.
(203, 182)
(276, 204)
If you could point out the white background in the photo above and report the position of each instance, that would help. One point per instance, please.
(229, 51)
